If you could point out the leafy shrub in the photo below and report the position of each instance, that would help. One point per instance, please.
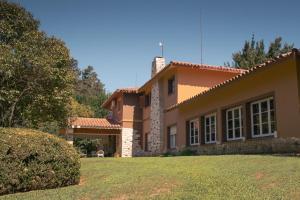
(31, 160)
(187, 152)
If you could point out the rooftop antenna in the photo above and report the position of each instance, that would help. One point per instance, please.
(162, 48)
(201, 39)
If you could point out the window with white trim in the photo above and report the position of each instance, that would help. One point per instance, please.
(234, 123)
(263, 117)
(173, 130)
(194, 132)
(210, 128)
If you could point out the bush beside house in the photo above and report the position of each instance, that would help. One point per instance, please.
(32, 160)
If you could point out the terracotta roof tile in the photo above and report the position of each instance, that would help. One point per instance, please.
(237, 77)
(208, 67)
(81, 122)
(193, 66)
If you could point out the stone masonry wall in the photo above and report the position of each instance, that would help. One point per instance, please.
(127, 142)
(155, 138)
(253, 146)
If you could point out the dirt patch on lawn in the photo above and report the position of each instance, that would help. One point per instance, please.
(160, 189)
(259, 175)
(82, 181)
(165, 188)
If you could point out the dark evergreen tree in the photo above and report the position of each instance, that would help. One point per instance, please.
(253, 53)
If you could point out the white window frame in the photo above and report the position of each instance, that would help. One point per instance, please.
(210, 124)
(260, 117)
(233, 123)
(195, 121)
(173, 136)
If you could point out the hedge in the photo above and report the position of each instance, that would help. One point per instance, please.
(31, 160)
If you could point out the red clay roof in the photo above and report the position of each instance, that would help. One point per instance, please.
(242, 75)
(208, 67)
(194, 66)
(82, 122)
(118, 92)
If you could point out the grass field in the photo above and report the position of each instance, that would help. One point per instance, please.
(202, 177)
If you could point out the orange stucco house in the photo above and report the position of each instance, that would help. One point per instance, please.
(208, 109)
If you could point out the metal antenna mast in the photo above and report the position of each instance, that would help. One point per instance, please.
(162, 48)
(201, 38)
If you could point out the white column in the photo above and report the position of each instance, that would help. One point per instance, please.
(69, 135)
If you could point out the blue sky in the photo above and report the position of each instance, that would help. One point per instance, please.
(120, 37)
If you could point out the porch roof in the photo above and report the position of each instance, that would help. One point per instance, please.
(95, 123)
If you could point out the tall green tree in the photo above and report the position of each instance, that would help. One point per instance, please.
(90, 91)
(253, 52)
(36, 73)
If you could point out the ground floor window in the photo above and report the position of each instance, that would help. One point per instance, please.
(210, 128)
(263, 117)
(194, 132)
(173, 131)
(234, 123)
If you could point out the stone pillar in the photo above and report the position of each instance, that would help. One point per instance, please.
(156, 124)
(157, 64)
(127, 142)
(69, 135)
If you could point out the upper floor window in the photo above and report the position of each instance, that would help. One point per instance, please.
(171, 85)
(194, 132)
(263, 117)
(210, 129)
(234, 123)
(147, 100)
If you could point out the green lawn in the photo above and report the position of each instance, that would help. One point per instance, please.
(202, 177)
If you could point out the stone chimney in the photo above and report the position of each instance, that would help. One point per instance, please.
(157, 64)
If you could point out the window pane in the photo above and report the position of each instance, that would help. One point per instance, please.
(236, 123)
(196, 139)
(207, 129)
(213, 128)
(265, 128)
(230, 124)
(230, 134)
(264, 117)
(207, 121)
(256, 130)
(264, 106)
(213, 137)
(255, 108)
(207, 137)
(237, 113)
(192, 140)
(229, 115)
(256, 119)
(212, 119)
(271, 104)
(237, 132)
(196, 132)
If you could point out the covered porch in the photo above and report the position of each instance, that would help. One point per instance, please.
(106, 131)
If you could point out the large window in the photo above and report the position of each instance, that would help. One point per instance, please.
(172, 133)
(210, 128)
(171, 85)
(194, 132)
(234, 123)
(263, 117)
